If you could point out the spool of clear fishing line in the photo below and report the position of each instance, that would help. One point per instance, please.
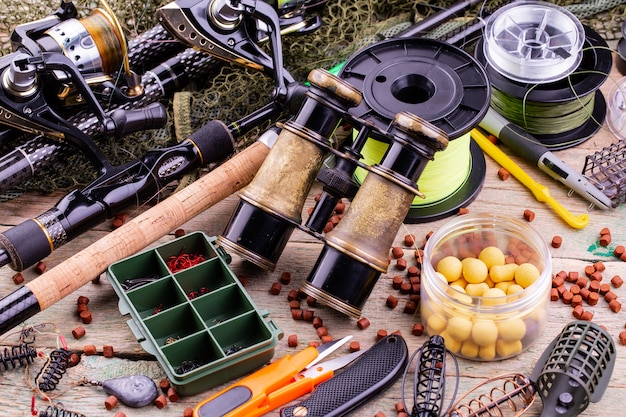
(545, 70)
(443, 85)
(616, 113)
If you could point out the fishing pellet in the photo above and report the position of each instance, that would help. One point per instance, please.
(392, 301)
(188, 412)
(90, 350)
(41, 267)
(285, 278)
(615, 306)
(354, 346)
(172, 395)
(529, 215)
(557, 241)
(108, 351)
(503, 174)
(418, 329)
(160, 401)
(18, 278)
(292, 340)
(363, 323)
(617, 281)
(110, 402)
(78, 332)
(276, 288)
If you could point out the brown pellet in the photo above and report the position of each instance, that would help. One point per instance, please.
(418, 329)
(188, 412)
(397, 252)
(610, 296)
(321, 331)
(587, 315)
(392, 301)
(354, 346)
(292, 340)
(363, 323)
(297, 314)
(604, 288)
(572, 276)
(160, 401)
(406, 287)
(311, 301)
(108, 351)
(381, 333)
(589, 269)
(399, 407)
(529, 215)
(554, 294)
(584, 293)
(308, 315)
(90, 350)
(292, 295)
(314, 343)
(317, 322)
(574, 289)
(615, 306)
(82, 300)
(409, 240)
(592, 298)
(567, 297)
(557, 281)
(85, 317)
(463, 210)
(596, 276)
(594, 286)
(123, 414)
(577, 312)
(326, 338)
(577, 300)
(74, 359)
(605, 240)
(276, 288)
(557, 241)
(78, 332)
(294, 304)
(285, 278)
(381, 414)
(622, 337)
(503, 174)
(617, 281)
(164, 384)
(340, 207)
(81, 307)
(619, 251)
(172, 395)
(412, 271)
(110, 402)
(410, 307)
(40, 268)
(582, 281)
(396, 282)
(401, 264)
(18, 278)
(179, 233)
(328, 227)
(605, 231)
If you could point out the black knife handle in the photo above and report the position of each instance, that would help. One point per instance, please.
(371, 373)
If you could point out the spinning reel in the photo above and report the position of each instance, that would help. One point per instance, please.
(61, 64)
(355, 253)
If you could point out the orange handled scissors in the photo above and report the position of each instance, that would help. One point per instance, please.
(276, 384)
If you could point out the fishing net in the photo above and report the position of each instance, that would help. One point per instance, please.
(230, 92)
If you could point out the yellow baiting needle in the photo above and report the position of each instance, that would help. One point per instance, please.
(540, 191)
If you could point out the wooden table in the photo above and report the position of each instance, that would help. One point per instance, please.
(579, 248)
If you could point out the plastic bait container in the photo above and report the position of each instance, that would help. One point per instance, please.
(199, 322)
(478, 327)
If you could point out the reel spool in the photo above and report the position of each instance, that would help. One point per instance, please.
(546, 86)
(442, 84)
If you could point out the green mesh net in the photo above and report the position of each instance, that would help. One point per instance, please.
(230, 92)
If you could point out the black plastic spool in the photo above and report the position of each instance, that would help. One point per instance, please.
(591, 73)
(434, 80)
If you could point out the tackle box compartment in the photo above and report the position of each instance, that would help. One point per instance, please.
(199, 321)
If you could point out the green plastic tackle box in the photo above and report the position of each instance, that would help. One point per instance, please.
(199, 322)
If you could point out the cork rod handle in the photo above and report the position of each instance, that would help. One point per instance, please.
(151, 225)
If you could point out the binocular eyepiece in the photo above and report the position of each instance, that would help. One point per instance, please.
(356, 251)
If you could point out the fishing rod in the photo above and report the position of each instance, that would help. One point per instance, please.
(119, 187)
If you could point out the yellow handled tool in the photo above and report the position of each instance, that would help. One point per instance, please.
(540, 191)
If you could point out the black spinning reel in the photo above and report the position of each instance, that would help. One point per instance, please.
(61, 65)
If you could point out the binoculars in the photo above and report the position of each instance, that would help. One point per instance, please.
(356, 251)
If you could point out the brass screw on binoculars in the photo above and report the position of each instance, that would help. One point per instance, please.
(356, 251)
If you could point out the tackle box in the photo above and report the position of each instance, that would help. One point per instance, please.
(199, 322)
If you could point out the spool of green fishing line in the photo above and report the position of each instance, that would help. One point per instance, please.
(441, 178)
(444, 86)
(545, 70)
